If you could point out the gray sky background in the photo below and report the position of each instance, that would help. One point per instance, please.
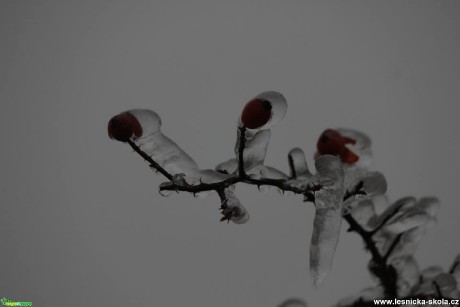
(81, 221)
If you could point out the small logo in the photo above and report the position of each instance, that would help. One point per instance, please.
(7, 302)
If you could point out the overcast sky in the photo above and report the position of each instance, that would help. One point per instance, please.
(81, 220)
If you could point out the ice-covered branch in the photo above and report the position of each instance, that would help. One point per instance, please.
(240, 177)
(343, 187)
(391, 237)
(154, 165)
(141, 129)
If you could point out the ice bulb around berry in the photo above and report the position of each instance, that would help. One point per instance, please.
(331, 142)
(264, 111)
(133, 124)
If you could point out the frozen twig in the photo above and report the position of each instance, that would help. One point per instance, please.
(149, 159)
(386, 273)
(242, 177)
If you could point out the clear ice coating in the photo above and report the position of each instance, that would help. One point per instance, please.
(396, 208)
(374, 183)
(228, 167)
(435, 281)
(408, 274)
(165, 193)
(447, 285)
(374, 186)
(257, 140)
(404, 222)
(262, 171)
(298, 164)
(232, 204)
(328, 216)
(326, 231)
(330, 175)
(255, 147)
(431, 272)
(359, 144)
(397, 229)
(206, 176)
(167, 153)
(422, 216)
(278, 106)
(149, 120)
(362, 147)
(363, 211)
(411, 214)
(402, 225)
(162, 149)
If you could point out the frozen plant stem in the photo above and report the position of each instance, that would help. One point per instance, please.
(241, 147)
(220, 186)
(343, 187)
(149, 159)
(386, 273)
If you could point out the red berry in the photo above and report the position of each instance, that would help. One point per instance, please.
(124, 126)
(333, 143)
(330, 142)
(348, 156)
(349, 140)
(256, 113)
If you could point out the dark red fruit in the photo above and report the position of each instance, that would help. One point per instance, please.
(332, 142)
(124, 126)
(349, 156)
(256, 113)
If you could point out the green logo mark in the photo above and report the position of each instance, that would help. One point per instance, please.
(7, 302)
